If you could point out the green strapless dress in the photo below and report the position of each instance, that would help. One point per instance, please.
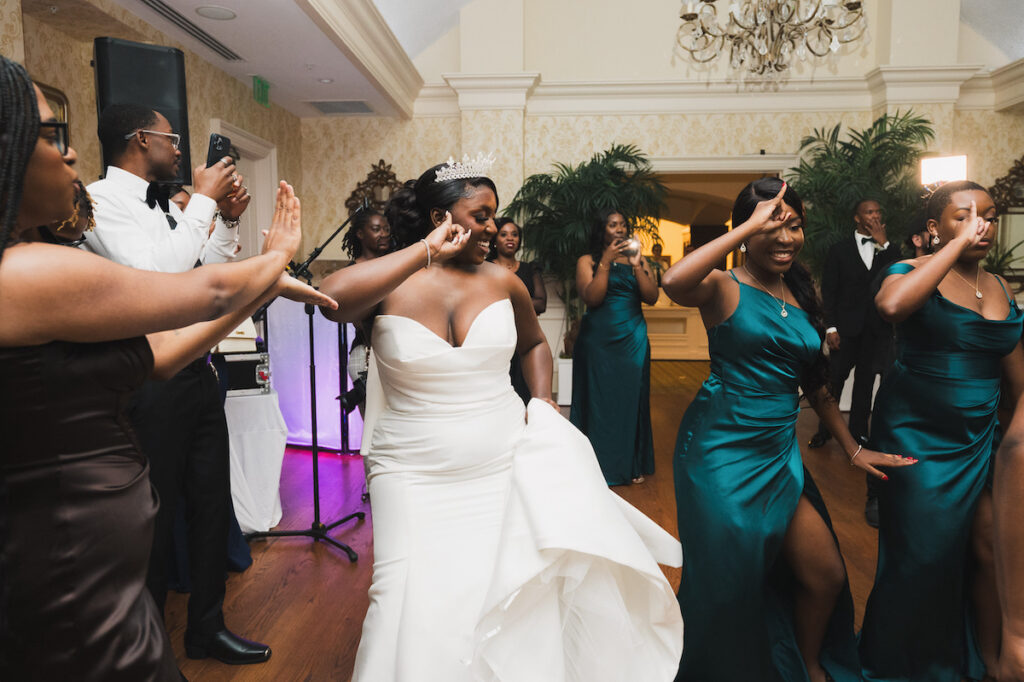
(739, 477)
(937, 404)
(611, 381)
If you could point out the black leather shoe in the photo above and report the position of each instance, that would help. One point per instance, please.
(226, 647)
(871, 511)
(819, 439)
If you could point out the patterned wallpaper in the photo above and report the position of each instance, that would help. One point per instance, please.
(500, 132)
(993, 141)
(58, 53)
(11, 40)
(338, 153)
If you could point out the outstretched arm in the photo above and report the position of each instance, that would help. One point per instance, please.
(89, 299)
(360, 287)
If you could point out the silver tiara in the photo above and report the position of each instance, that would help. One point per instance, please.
(467, 168)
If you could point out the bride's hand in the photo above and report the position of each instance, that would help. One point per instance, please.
(447, 239)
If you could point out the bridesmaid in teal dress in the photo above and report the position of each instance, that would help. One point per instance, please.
(933, 614)
(611, 364)
(764, 593)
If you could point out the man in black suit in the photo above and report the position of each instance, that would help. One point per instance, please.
(856, 337)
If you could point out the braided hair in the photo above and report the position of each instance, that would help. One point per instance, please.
(797, 278)
(350, 242)
(19, 131)
(408, 211)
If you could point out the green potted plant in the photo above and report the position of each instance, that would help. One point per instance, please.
(879, 162)
(557, 210)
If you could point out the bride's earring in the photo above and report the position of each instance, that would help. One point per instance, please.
(743, 248)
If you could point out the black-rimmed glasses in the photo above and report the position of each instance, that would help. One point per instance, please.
(174, 138)
(61, 138)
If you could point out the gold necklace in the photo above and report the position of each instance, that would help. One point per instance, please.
(977, 277)
(782, 301)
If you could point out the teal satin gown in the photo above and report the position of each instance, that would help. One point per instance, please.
(937, 404)
(611, 381)
(739, 477)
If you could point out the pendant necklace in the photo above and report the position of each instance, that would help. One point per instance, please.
(781, 301)
(977, 277)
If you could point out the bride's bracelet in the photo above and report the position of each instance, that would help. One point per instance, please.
(428, 251)
(859, 448)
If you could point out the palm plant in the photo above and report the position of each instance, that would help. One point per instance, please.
(557, 210)
(878, 163)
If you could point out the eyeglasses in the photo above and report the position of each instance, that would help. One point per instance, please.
(61, 137)
(175, 138)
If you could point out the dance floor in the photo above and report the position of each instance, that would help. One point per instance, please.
(307, 601)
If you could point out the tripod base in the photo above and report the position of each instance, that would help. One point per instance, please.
(318, 531)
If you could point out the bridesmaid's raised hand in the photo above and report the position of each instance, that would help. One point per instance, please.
(974, 228)
(870, 460)
(447, 239)
(770, 214)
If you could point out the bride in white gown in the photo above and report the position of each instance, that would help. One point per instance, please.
(499, 552)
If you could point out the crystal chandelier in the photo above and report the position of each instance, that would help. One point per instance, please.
(763, 36)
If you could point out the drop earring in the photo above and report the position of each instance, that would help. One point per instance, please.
(743, 248)
(935, 240)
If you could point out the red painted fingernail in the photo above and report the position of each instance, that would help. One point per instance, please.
(884, 477)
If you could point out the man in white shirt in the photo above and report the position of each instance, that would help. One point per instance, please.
(857, 337)
(180, 422)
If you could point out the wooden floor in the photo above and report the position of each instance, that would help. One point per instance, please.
(307, 601)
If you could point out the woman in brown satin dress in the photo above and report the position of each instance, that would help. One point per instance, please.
(77, 334)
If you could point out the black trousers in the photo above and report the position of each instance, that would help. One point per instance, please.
(182, 431)
(866, 355)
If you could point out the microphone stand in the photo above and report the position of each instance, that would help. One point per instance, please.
(318, 530)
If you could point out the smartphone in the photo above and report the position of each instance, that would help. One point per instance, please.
(220, 147)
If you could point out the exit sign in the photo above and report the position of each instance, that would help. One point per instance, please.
(261, 91)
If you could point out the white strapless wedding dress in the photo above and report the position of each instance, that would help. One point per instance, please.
(499, 551)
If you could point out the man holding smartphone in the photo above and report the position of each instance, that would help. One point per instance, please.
(180, 423)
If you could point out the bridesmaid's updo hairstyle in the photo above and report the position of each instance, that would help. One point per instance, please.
(940, 198)
(798, 277)
(408, 211)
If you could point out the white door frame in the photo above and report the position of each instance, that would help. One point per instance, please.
(262, 182)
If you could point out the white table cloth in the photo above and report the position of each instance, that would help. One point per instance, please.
(258, 436)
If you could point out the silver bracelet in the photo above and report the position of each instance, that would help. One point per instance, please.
(229, 223)
(859, 448)
(428, 251)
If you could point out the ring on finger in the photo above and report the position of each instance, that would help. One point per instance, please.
(225, 161)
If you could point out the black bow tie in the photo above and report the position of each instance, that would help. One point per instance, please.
(158, 193)
(865, 240)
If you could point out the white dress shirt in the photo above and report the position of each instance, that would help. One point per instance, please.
(129, 232)
(867, 251)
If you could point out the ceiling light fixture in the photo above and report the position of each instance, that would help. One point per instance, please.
(763, 36)
(215, 12)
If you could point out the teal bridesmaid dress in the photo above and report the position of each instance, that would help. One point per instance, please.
(739, 477)
(937, 404)
(611, 381)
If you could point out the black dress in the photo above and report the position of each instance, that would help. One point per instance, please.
(79, 517)
(525, 272)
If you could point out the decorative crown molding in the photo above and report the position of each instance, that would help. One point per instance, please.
(918, 84)
(492, 91)
(1008, 84)
(359, 31)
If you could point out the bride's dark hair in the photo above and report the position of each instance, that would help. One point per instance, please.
(408, 211)
(798, 277)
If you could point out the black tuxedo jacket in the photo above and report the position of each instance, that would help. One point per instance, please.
(846, 286)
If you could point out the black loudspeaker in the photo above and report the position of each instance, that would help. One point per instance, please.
(149, 75)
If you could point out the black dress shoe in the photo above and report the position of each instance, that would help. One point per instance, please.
(226, 647)
(819, 439)
(871, 511)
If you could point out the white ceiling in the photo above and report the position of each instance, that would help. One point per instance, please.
(280, 43)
